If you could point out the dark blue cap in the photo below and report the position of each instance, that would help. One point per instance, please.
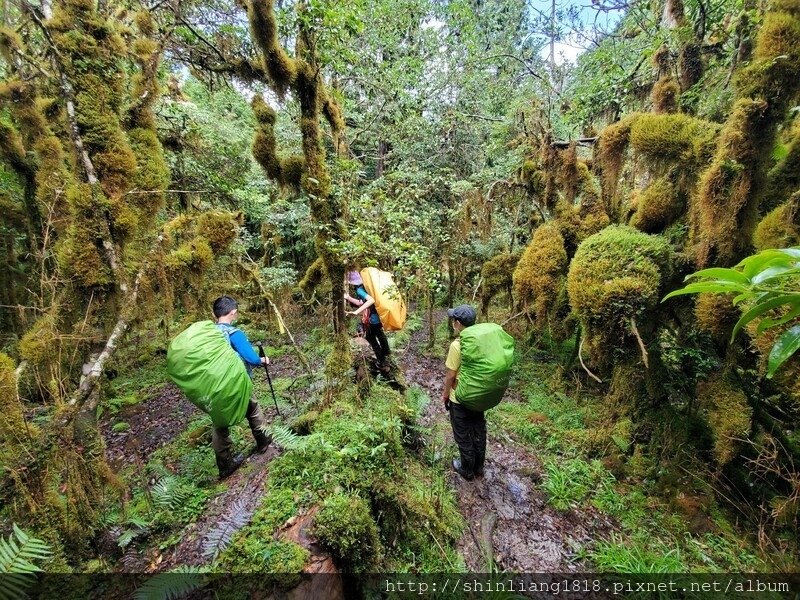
(464, 314)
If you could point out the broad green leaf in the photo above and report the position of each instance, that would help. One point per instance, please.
(758, 310)
(718, 273)
(783, 349)
(775, 272)
(768, 323)
(752, 265)
(710, 287)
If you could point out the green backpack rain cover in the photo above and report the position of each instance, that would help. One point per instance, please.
(487, 353)
(201, 361)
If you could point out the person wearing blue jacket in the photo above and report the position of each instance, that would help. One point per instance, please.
(226, 311)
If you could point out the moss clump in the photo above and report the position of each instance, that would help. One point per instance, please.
(497, 274)
(784, 177)
(539, 275)
(313, 277)
(218, 228)
(616, 276)
(725, 209)
(729, 416)
(345, 525)
(80, 253)
(282, 69)
(690, 65)
(669, 139)
(716, 315)
(12, 422)
(665, 95)
(657, 206)
(779, 228)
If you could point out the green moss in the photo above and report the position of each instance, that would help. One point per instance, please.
(497, 274)
(281, 68)
(313, 276)
(784, 177)
(539, 275)
(615, 276)
(725, 209)
(690, 65)
(610, 155)
(779, 228)
(729, 416)
(716, 315)
(665, 95)
(345, 525)
(218, 228)
(658, 205)
(152, 173)
(674, 139)
(12, 423)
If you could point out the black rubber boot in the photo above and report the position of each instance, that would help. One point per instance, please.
(262, 441)
(465, 474)
(228, 465)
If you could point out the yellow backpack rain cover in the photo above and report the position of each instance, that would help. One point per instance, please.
(388, 302)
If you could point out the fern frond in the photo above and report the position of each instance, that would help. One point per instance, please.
(173, 584)
(17, 554)
(170, 492)
(218, 538)
(126, 537)
(286, 438)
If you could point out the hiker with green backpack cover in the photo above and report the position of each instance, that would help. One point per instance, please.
(212, 363)
(478, 365)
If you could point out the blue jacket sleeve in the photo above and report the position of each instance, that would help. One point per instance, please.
(242, 345)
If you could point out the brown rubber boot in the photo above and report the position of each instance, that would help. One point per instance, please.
(262, 441)
(227, 465)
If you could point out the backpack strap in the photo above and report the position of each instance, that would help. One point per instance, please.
(227, 331)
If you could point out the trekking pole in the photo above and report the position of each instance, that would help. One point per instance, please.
(269, 379)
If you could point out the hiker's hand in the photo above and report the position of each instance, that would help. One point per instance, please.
(264, 360)
(350, 312)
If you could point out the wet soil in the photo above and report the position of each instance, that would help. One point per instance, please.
(509, 524)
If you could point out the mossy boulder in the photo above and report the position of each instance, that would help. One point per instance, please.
(617, 276)
(345, 525)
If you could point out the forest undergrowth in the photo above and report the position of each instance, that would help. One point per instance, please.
(371, 469)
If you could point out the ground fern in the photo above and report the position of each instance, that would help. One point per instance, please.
(173, 584)
(18, 556)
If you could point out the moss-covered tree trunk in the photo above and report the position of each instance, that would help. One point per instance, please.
(301, 75)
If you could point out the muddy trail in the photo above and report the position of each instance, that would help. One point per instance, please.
(157, 422)
(510, 527)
